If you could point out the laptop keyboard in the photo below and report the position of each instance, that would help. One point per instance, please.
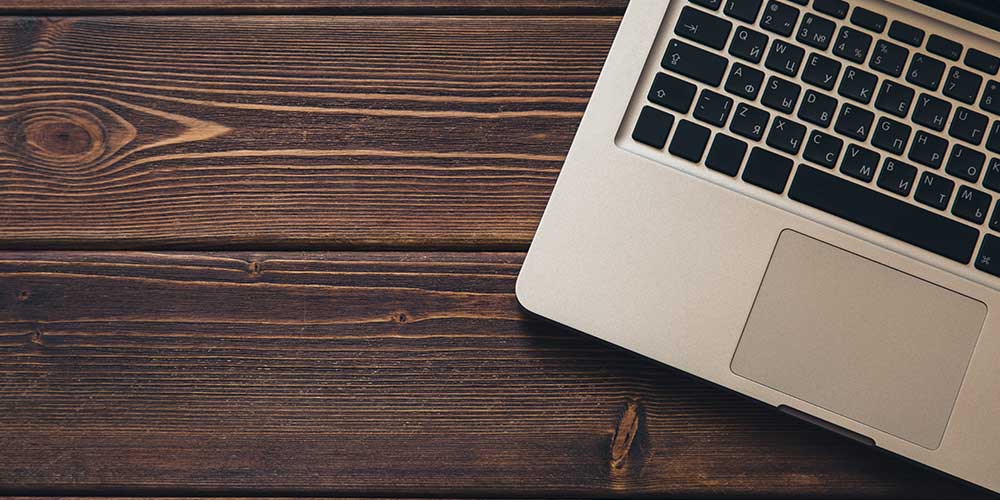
(898, 132)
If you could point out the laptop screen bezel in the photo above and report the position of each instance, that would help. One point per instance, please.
(982, 12)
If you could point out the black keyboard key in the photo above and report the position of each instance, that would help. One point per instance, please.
(894, 98)
(823, 149)
(897, 177)
(713, 108)
(928, 149)
(988, 259)
(784, 58)
(816, 31)
(854, 122)
(672, 93)
(696, 63)
(891, 136)
(868, 19)
(779, 18)
(987, 63)
(821, 71)
(689, 141)
(995, 220)
(965, 163)
(781, 95)
(962, 85)
(701, 27)
(748, 44)
(858, 85)
(889, 58)
(859, 162)
(943, 47)
(801, 2)
(726, 154)
(768, 170)
(653, 127)
(750, 122)
(993, 144)
(991, 98)
(744, 10)
(711, 4)
(835, 8)
(744, 81)
(817, 108)
(992, 179)
(925, 71)
(931, 112)
(786, 135)
(907, 34)
(883, 213)
(934, 190)
(971, 204)
(969, 126)
(852, 44)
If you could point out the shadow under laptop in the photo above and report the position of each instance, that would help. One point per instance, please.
(667, 431)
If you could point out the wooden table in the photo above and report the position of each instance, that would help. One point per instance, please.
(274, 254)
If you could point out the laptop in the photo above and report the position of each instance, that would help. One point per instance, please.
(797, 200)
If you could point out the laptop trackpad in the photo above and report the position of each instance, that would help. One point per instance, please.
(859, 339)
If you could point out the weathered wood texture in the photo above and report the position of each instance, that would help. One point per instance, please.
(567, 7)
(397, 374)
(287, 132)
(365, 374)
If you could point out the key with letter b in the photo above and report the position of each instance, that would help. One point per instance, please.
(897, 177)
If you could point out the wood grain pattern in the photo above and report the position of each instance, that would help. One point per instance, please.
(353, 373)
(563, 7)
(287, 132)
(366, 374)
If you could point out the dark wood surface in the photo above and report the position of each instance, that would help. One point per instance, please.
(326, 132)
(365, 374)
(340, 368)
(561, 7)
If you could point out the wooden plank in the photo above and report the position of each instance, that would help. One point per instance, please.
(564, 7)
(366, 374)
(287, 132)
(66, 497)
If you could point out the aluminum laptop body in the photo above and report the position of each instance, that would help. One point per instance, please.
(829, 287)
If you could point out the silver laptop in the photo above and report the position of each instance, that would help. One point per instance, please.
(795, 199)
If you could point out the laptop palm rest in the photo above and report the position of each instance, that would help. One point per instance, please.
(859, 339)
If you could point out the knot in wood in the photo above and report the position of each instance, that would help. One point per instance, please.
(56, 137)
(625, 433)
